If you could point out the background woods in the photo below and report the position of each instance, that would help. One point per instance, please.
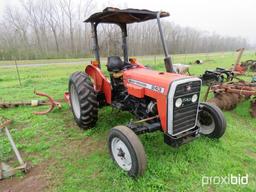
(39, 29)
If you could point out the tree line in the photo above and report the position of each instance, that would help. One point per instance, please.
(42, 29)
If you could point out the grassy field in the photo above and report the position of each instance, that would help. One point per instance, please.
(74, 160)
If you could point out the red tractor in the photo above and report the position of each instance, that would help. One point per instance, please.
(164, 101)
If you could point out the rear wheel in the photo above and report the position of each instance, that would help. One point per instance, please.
(127, 151)
(211, 121)
(83, 100)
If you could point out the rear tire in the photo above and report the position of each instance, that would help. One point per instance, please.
(83, 100)
(127, 151)
(211, 121)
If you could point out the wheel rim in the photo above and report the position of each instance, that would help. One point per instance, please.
(121, 154)
(206, 123)
(75, 102)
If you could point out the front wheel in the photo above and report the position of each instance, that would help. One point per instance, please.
(127, 151)
(211, 121)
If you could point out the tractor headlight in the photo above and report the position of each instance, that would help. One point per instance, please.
(194, 98)
(178, 102)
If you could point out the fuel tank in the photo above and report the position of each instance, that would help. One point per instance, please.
(150, 82)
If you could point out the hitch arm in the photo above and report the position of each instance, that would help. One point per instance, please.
(51, 102)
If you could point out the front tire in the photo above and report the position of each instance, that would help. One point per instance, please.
(83, 100)
(211, 121)
(127, 151)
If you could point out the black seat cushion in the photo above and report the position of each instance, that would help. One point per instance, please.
(115, 64)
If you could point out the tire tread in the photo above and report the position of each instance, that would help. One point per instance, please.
(87, 98)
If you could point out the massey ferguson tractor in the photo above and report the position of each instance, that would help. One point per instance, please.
(164, 101)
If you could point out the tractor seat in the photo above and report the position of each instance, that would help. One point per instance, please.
(115, 64)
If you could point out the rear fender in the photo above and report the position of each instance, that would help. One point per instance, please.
(100, 82)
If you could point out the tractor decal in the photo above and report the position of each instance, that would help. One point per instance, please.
(146, 85)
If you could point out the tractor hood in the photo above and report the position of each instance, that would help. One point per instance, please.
(150, 80)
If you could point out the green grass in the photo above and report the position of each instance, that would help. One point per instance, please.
(78, 160)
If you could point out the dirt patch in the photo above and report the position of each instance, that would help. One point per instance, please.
(88, 146)
(34, 181)
(251, 154)
(73, 150)
(82, 147)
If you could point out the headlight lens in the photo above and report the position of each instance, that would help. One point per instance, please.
(194, 98)
(178, 102)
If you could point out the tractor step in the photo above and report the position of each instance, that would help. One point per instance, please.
(146, 128)
(117, 105)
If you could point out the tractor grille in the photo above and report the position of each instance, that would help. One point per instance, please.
(181, 89)
(184, 117)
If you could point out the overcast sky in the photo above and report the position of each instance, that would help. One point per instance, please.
(226, 17)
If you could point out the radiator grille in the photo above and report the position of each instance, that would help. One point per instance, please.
(184, 117)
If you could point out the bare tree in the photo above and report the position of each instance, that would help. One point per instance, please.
(52, 18)
(32, 14)
(55, 28)
(66, 6)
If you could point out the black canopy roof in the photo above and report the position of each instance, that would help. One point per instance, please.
(115, 15)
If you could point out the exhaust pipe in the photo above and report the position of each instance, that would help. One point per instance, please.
(167, 59)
